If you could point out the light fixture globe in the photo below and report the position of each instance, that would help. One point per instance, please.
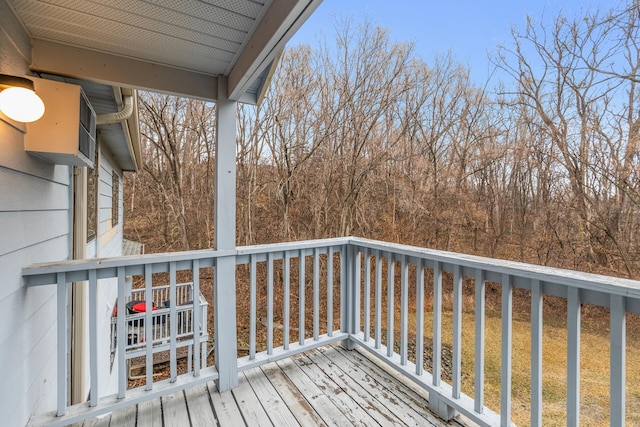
(18, 101)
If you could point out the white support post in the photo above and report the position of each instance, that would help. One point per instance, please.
(224, 299)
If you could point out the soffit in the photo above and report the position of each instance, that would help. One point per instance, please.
(200, 37)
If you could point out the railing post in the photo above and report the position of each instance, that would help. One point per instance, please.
(226, 343)
(224, 314)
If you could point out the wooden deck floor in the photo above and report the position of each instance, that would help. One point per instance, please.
(328, 386)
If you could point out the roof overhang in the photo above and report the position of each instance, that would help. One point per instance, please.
(180, 47)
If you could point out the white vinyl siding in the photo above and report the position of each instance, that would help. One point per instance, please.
(34, 225)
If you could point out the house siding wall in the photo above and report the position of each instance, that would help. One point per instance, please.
(34, 227)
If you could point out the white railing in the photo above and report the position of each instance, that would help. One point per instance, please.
(302, 295)
(621, 296)
(161, 322)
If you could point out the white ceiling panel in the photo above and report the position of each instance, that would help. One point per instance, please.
(202, 36)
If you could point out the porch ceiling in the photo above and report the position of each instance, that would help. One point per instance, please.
(175, 46)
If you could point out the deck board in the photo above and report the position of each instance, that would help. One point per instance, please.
(310, 391)
(225, 407)
(124, 417)
(150, 414)
(200, 410)
(174, 410)
(350, 410)
(418, 401)
(324, 387)
(249, 404)
(301, 409)
(276, 409)
(367, 401)
(381, 389)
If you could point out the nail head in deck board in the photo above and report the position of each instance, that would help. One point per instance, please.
(350, 409)
(225, 407)
(302, 410)
(174, 409)
(150, 414)
(380, 390)
(249, 404)
(313, 394)
(200, 410)
(268, 396)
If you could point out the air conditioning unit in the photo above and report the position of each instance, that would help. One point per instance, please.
(66, 134)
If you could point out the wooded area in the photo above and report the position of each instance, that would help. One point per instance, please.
(362, 137)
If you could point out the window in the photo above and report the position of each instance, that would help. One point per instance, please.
(115, 198)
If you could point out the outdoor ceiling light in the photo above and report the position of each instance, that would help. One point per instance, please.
(18, 99)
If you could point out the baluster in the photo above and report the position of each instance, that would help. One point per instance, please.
(573, 356)
(505, 373)
(270, 303)
(122, 334)
(367, 295)
(196, 319)
(378, 300)
(419, 316)
(618, 347)
(355, 292)
(301, 308)
(390, 304)
(148, 283)
(330, 292)
(252, 307)
(287, 299)
(93, 336)
(479, 343)
(173, 323)
(437, 323)
(457, 332)
(404, 309)
(62, 300)
(536, 353)
(316, 294)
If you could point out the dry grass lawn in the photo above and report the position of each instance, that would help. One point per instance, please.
(594, 385)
